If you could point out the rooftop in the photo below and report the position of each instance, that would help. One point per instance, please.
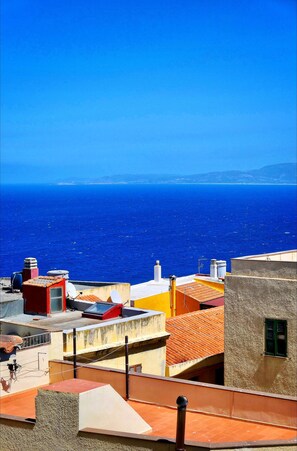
(151, 288)
(43, 281)
(195, 335)
(199, 292)
(285, 256)
(200, 427)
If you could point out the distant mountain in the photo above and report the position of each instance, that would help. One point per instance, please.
(277, 174)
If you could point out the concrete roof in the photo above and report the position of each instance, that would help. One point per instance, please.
(68, 320)
(285, 256)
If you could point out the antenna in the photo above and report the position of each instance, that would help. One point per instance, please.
(115, 297)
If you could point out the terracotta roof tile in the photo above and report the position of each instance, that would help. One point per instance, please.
(195, 335)
(199, 291)
(88, 297)
(43, 281)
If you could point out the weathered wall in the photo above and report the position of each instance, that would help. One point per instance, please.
(248, 301)
(113, 332)
(103, 292)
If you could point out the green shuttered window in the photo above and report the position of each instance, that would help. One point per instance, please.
(276, 337)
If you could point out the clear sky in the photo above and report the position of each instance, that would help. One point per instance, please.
(105, 87)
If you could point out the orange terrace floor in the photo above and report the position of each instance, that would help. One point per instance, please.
(199, 427)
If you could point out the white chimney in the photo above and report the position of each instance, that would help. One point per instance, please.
(222, 268)
(157, 272)
(213, 269)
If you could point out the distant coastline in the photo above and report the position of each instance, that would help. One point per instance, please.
(278, 174)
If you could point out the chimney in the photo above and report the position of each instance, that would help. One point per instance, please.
(222, 268)
(157, 271)
(30, 269)
(213, 269)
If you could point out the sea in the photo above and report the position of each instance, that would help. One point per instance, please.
(115, 233)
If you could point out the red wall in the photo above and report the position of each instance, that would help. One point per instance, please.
(37, 298)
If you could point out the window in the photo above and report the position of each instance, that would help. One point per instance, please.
(135, 368)
(56, 299)
(276, 337)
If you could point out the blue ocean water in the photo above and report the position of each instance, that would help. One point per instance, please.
(116, 232)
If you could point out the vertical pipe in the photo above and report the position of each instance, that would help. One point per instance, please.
(127, 365)
(182, 403)
(173, 295)
(74, 354)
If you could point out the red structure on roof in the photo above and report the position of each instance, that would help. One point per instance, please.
(44, 295)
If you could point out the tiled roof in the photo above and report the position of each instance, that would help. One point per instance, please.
(88, 297)
(198, 291)
(43, 281)
(195, 335)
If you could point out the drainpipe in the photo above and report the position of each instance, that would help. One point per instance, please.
(182, 403)
(173, 295)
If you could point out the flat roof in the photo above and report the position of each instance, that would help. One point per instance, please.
(200, 427)
(285, 256)
(68, 320)
(6, 294)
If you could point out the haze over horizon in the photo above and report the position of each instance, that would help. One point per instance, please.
(182, 87)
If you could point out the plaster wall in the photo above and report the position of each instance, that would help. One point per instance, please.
(34, 365)
(114, 331)
(248, 301)
(159, 302)
(104, 292)
(205, 398)
(152, 360)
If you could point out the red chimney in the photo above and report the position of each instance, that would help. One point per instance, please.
(30, 269)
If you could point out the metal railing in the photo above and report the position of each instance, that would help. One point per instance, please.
(36, 340)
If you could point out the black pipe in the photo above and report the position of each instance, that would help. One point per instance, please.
(182, 403)
(127, 366)
(74, 354)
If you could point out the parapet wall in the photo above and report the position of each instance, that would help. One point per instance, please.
(204, 398)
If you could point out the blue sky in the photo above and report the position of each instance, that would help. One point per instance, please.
(96, 87)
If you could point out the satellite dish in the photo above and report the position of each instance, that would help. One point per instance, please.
(71, 290)
(115, 297)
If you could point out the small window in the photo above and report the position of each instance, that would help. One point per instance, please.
(276, 337)
(56, 295)
(135, 368)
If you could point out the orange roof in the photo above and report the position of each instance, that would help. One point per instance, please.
(88, 297)
(195, 335)
(43, 281)
(200, 427)
(198, 291)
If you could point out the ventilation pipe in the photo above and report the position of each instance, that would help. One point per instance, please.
(182, 403)
(157, 272)
(213, 269)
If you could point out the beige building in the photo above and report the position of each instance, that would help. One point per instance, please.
(261, 323)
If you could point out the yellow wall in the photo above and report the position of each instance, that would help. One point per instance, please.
(216, 285)
(159, 302)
